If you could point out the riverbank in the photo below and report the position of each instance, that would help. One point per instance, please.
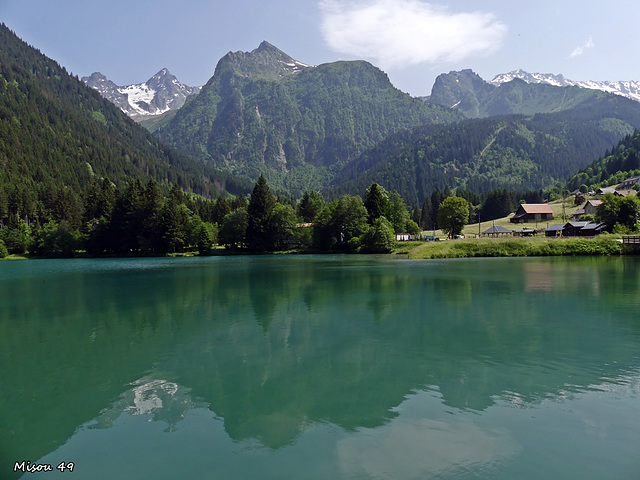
(516, 247)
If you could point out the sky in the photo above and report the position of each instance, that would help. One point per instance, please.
(413, 41)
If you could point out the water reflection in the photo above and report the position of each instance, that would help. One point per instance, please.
(278, 346)
(447, 446)
(162, 400)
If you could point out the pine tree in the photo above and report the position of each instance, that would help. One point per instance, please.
(126, 222)
(173, 224)
(221, 208)
(376, 202)
(310, 206)
(259, 232)
(152, 203)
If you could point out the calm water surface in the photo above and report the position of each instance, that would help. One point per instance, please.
(321, 368)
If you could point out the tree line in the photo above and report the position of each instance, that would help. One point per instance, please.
(142, 220)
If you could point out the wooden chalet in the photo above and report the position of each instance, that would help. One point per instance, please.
(592, 229)
(532, 212)
(577, 214)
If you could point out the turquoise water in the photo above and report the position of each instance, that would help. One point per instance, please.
(321, 367)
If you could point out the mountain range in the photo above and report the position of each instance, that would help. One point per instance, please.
(342, 125)
(629, 89)
(158, 95)
(335, 127)
(264, 112)
(466, 92)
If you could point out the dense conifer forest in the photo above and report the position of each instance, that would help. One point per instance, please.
(616, 165)
(514, 152)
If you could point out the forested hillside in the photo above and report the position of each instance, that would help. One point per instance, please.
(613, 167)
(265, 113)
(513, 152)
(57, 136)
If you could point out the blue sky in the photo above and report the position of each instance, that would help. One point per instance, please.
(413, 41)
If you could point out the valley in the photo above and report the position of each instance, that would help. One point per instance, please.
(333, 129)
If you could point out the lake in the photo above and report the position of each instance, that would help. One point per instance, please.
(321, 367)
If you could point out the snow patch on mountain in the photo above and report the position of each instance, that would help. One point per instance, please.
(629, 89)
(295, 66)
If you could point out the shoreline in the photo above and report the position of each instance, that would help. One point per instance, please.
(603, 245)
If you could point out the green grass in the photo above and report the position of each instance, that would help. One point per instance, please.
(517, 247)
(556, 206)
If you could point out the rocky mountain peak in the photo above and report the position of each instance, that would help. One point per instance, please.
(160, 94)
(265, 60)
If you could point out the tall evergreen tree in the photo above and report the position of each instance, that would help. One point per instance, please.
(310, 205)
(499, 203)
(376, 200)
(259, 233)
(174, 221)
(426, 217)
(152, 203)
(126, 221)
(221, 208)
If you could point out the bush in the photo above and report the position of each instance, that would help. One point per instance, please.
(56, 240)
(379, 238)
(3, 250)
(16, 236)
(411, 228)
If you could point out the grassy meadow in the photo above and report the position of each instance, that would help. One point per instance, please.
(477, 246)
(514, 247)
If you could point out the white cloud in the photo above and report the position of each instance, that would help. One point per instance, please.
(407, 32)
(580, 50)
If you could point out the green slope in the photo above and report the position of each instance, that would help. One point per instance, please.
(55, 131)
(622, 162)
(513, 152)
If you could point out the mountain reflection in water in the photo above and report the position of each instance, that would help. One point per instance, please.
(274, 347)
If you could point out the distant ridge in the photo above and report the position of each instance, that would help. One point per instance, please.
(516, 93)
(158, 95)
(629, 89)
